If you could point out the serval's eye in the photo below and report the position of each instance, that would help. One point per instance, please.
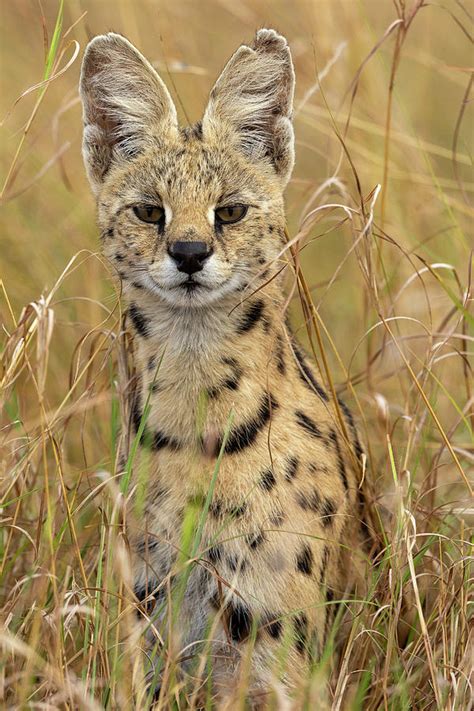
(149, 213)
(231, 214)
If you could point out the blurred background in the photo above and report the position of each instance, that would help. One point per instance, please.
(381, 199)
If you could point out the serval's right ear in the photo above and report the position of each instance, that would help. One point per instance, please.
(125, 104)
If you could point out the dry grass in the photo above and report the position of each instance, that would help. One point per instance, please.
(380, 226)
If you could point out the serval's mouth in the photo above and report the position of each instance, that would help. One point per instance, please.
(191, 292)
(191, 285)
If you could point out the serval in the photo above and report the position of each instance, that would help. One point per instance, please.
(235, 425)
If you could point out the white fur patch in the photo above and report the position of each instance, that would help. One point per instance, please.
(168, 213)
(211, 215)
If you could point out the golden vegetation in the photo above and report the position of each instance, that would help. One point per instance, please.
(380, 225)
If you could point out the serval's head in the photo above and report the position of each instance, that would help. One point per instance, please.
(189, 214)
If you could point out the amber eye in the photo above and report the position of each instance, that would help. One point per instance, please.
(149, 213)
(233, 213)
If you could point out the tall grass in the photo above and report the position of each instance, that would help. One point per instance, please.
(379, 274)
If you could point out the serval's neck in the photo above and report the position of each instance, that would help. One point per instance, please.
(213, 360)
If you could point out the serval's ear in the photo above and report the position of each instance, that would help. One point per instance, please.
(125, 104)
(254, 98)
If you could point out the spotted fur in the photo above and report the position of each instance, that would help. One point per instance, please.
(218, 369)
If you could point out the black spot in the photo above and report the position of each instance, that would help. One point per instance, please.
(239, 620)
(228, 360)
(218, 510)
(141, 592)
(244, 435)
(136, 285)
(277, 518)
(215, 508)
(107, 233)
(273, 626)
(214, 554)
(215, 600)
(119, 257)
(139, 321)
(267, 480)
(328, 509)
(136, 411)
(279, 354)
(315, 468)
(197, 130)
(238, 511)
(186, 132)
(234, 562)
(160, 441)
(324, 565)
(251, 316)
(308, 424)
(261, 260)
(291, 468)
(304, 560)
(307, 376)
(331, 610)
(340, 460)
(146, 546)
(270, 228)
(301, 632)
(255, 540)
(274, 629)
(231, 382)
(358, 450)
(148, 595)
(310, 501)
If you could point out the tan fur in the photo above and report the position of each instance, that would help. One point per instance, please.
(285, 505)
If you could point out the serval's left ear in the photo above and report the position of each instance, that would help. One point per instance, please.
(126, 105)
(253, 99)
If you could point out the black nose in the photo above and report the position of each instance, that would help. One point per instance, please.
(189, 256)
